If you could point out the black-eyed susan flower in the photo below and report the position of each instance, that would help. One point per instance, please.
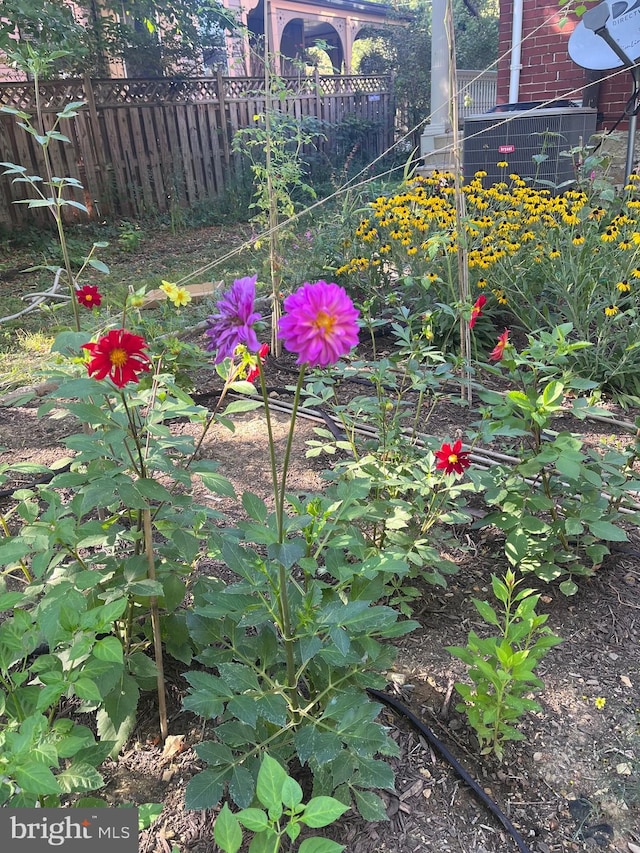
(609, 235)
(611, 310)
(623, 286)
(578, 240)
(635, 273)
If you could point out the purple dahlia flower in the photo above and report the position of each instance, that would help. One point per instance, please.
(235, 320)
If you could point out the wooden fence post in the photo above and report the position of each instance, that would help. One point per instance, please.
(99, 149)
(224, 125)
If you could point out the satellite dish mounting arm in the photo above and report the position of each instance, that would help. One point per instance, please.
(596, 20)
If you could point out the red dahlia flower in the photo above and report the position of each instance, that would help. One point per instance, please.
(498, 351)
(476, 311)
(320, 324)
(118, 354)
(254, 372)
(89, 296)
(452, 458)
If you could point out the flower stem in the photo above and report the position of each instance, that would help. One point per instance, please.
(287, 452)
(272, 449)
(282, 594)
(155, 624)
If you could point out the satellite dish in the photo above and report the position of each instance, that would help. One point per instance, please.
(589, 50)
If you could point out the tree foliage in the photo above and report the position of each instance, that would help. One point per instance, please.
(405, 50)
(152, 38)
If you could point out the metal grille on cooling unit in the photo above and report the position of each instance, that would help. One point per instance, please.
(514, 138)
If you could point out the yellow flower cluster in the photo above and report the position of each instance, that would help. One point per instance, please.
(179, 296)
(416, 229)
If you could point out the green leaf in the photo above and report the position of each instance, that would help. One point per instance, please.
(122, 701)
(238, 677)
(369, 805)
(204, 704)
(320, 845)
(238, 406)
(226, 831)
(568, 587)
(35, 778)
(255, 507)
(8, 600)
(323, 746)
(216, 483)
(241, 786)
(204, 791)
(516, 547)
(321, 811)
(253, 819)
(214, 753)
(265, 842)
(117, 737)
(12, 550)
(148, 813)
(69, 343)
(553, 393)
(373, 773)
(87, 689)
(244, 708)
(271, 778)
(152, 490)
(109, 649)
(487, 612)
(79, 776)
(607, 531)
(287, 553)
(291, 793)
(573, 527)
(273, 708)
(145, 588)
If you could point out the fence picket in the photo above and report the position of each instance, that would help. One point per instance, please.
(151, 145)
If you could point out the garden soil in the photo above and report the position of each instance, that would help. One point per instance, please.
(572, 783)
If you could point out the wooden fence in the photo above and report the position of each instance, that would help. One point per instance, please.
(140, 146)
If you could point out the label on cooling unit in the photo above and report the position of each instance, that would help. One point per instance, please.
(506, 149)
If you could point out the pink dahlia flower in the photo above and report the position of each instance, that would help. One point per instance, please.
(235, 320)
(320, 324)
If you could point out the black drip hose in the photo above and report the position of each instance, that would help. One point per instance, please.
(424, 730)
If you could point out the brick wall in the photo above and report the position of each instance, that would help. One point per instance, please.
(547, 70)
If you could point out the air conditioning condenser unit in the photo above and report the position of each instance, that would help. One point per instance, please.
(515, 137)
